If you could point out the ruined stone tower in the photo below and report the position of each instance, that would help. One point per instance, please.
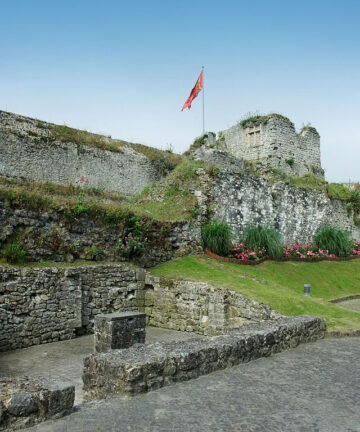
(273, 140)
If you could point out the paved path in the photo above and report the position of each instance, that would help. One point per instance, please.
(313, 388)
(65, 360)
(353, 304)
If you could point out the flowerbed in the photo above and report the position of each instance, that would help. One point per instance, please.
(310, 253)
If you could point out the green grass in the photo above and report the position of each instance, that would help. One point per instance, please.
(85, 138)
(170, 199)
(338, 191)
(308, 181)
(279, 284)
(81, 137)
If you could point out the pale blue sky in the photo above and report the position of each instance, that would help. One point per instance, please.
(125, 68)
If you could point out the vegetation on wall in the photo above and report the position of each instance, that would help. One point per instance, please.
(198, 142)
(172, 198)
(14, 252)
(84, 138)
(251, 120)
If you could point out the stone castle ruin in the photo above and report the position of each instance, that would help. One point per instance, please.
(242, 178)
(273, 140)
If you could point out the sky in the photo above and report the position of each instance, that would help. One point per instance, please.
(126, 68)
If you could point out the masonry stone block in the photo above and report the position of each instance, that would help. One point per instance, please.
(118, 330)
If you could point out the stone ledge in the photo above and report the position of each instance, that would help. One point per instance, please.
(26, 401)
(148, 367)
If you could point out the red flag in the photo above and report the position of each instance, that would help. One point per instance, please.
(195, 91)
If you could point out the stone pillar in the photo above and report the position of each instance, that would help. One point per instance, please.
(118, 330)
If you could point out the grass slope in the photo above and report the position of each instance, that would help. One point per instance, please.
(171, 199)
(279, 284)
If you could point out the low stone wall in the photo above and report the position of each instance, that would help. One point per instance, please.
(199, 307)
(27, 401)
(149, 367)
(39, 305)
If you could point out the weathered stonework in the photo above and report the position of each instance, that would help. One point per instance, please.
(118, 330)
(30, 151)
(276, 143)
(199, 307)
(27, 401)
(40, 305)
(148, 367)
(75, 237)
(242, 199)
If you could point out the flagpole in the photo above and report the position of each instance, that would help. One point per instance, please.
(203, 101)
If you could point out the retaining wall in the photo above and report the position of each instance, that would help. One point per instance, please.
(40, 305)
(242, 199)
(199, 307)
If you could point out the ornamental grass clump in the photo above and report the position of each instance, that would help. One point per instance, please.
(334, 240)
(260, 238)
(216, 237)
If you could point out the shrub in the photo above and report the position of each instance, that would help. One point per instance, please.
(259, 237)
(132, 246)
(216, 237)
(14, 253)
(334, 240)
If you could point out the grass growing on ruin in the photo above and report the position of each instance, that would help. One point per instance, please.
(81, 137)
(171, 198)
(308, 182)
(85, 138)
(39, 198)
(52, 190)
(280, 284)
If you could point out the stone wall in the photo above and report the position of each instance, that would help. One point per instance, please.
(148, 367)
(275, 142)
(199, 307)
(27, 401)
(40, 305)
(30, 151)
(52, 236)
(242, 199)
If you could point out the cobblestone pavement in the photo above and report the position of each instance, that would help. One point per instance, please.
(65, 360)
(313, 388)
